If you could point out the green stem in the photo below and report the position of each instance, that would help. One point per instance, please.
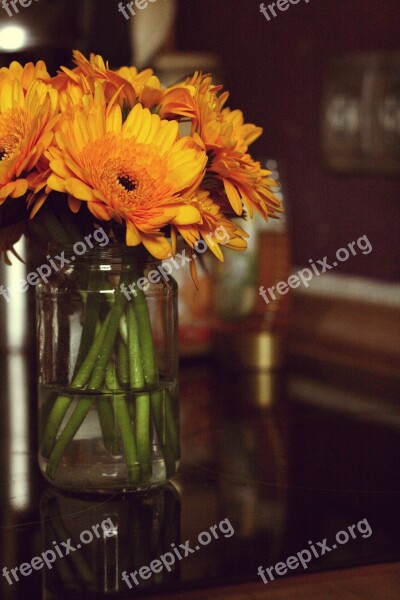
(164, 436)
(75, 421)
(128, 440)
(142, 403)
(83, 368)
(131, 402)
(60, 407)
(54, 226)
(123, 329)
(107, 424)
(163, 416)
(146, 339)
(111, 378)
(53, 423)
(93, 368)
(86, 368)
(102, 341)
(92, 311)
(142, 427)
(100, 366)
(113, 385)
(122, 362)
(136, 365)
(135, 356)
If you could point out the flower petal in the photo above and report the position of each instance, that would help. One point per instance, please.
(233, 196)
(78, 189)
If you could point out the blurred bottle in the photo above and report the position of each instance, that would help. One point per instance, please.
(195, 305)
(274, 261)
(250, 330)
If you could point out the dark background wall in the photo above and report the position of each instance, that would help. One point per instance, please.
(275, 72)
(56, 27)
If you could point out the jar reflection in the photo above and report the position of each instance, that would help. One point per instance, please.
(90, 544)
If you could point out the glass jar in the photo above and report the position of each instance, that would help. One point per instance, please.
(108, 364)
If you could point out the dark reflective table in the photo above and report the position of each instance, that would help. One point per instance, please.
(273, 465)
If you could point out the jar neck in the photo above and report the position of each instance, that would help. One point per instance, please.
(86, 253)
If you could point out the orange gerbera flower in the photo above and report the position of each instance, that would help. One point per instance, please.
(185, 99)
(26, 122)
(146, 85)
(134, 86)
(128, 83)
(138, 171)
(246, 183)
(71, 87)
(215, 228)
(178, 101)
(226, 137)
(26, 74)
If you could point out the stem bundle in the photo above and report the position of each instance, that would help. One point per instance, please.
(115, 372)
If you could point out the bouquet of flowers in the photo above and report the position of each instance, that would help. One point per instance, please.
(94, 147)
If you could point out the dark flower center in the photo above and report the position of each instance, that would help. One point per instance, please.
(8, 146)
(127, 183)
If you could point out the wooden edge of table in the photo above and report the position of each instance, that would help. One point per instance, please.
(377, 582)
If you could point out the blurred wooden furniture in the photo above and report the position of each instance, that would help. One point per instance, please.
(358, 334)
(366, 583)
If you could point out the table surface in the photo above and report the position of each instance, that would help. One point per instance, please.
(277, 463)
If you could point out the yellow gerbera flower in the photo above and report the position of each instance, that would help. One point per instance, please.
(215, 228)
(146, 85)
(26, 74)
(72, 86)
(178, 102)
(246, 183)
(138, 171)
(225, 137)
(133, 86)
(26, 122)
(185, 99)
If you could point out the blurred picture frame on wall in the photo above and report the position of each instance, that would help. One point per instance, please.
(360, 114)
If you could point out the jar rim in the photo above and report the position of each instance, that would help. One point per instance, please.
(113, 251)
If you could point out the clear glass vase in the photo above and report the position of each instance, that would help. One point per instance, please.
(108, 364)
